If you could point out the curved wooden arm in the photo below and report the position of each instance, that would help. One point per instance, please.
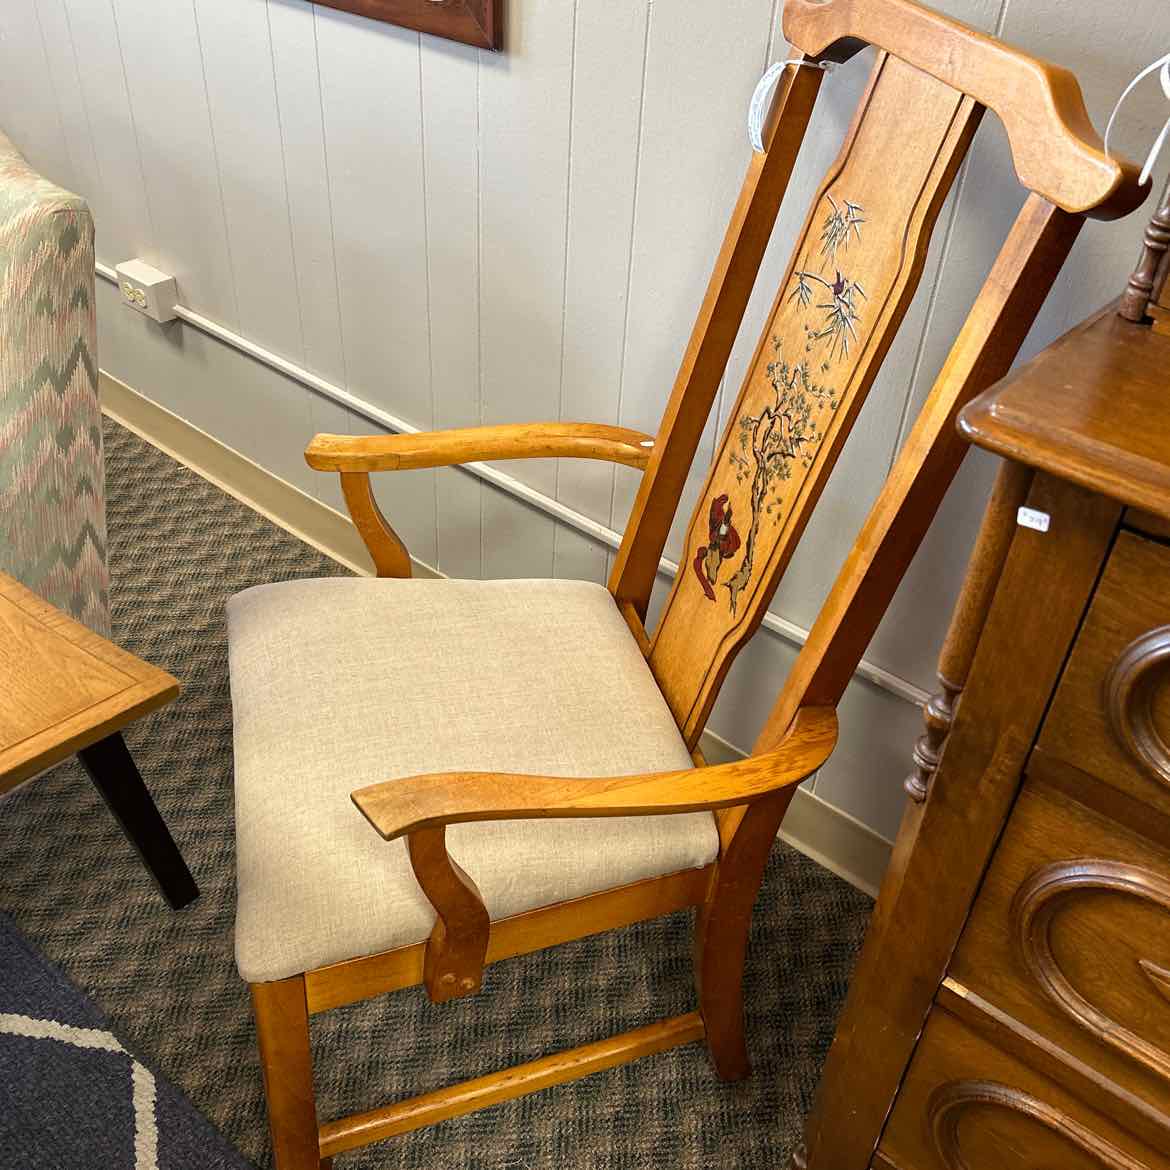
(471, 444)
(397, 807)
(1056, 151)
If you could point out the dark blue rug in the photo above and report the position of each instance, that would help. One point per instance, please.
(72, 1097)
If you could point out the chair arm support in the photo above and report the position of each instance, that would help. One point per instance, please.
(398, 807)
(471, 444)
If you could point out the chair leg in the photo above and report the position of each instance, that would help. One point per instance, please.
(114, 774)
(721, 934)
(282, 1029)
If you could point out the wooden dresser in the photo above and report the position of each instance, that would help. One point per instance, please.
(1011, 1008)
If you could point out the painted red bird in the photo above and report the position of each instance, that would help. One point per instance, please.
(723, 542)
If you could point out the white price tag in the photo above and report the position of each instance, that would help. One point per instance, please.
(1032, 518)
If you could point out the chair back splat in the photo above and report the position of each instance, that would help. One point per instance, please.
(853, 272)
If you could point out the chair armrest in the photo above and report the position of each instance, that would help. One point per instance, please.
(398, 807)
(471, 444)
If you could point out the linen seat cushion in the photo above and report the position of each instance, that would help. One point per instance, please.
(343, 682)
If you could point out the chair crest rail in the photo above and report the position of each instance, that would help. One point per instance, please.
(1056, 150)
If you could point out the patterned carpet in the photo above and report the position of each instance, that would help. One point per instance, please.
(178, 549)
(59, 1062)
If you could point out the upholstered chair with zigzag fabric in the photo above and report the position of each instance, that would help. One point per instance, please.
(52, 495)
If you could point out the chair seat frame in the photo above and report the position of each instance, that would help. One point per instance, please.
(1059, 158)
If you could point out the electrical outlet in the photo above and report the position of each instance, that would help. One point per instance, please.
(147, 290)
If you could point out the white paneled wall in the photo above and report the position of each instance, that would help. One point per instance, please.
(454, 237)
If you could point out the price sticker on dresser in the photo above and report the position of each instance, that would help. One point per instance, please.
(1033, 518)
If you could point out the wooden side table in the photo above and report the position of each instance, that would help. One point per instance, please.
(63, 691)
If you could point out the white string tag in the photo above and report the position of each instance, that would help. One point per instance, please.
(763, 91)
(1162, 68)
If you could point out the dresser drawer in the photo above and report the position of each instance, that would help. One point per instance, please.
(968, 1105)
(1111, 713)
(1070, 935)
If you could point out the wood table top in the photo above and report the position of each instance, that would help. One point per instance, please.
(62, 687)
(1091, 408)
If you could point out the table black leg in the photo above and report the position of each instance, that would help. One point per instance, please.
(116, 777)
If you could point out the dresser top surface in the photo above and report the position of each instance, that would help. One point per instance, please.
(1091, 408)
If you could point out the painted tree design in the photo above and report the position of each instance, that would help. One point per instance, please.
(789, 428)
(785, 431)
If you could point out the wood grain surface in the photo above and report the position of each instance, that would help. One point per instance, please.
(63, 686)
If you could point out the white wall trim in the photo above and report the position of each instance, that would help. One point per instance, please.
(789, 631)
(817, 829)
(308, 519)
(812, 826)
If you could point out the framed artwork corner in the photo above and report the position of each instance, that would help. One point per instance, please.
(472, 22)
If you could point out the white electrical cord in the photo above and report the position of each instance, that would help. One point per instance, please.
(758, 108)
(1162, 68)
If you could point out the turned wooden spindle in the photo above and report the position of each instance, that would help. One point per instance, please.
(1149, 277)
(958, 652)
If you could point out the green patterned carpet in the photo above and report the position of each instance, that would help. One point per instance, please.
(178, 549)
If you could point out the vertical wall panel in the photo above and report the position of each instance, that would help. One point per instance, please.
(373, 138)
(451, 153)
(608, 66)
(577, 557)
(517, 539)
(305, 168)
(164, 70)
(122, 218)
(525, 95)
(238, 73)
(63, 76)
(293, 34)
(31, 117)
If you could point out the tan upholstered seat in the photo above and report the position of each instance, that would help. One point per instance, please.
(343, 682)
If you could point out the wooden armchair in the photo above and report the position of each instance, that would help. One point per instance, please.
(495, 712)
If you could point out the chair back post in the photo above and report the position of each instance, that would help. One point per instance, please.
(1015, 289)
(712, 337)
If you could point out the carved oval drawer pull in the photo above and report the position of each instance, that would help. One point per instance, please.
(1129, 695)
(949, 1102)
(1037, 903)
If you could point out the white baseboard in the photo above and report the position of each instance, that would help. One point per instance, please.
(318, 525)
(832, 838)
(829, 836)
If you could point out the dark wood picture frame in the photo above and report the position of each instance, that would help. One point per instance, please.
(475, 22)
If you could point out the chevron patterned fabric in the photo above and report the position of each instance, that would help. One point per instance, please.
(52, 501)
